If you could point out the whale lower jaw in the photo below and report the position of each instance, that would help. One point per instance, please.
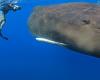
(49, 41)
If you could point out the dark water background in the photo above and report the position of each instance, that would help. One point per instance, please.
(23, 58)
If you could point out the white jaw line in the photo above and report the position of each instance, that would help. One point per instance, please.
(49, 41)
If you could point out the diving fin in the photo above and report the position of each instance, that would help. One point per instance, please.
(2, 36)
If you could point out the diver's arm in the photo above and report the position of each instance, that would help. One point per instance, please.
(16, 7)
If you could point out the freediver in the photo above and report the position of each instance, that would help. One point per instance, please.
(4, 10)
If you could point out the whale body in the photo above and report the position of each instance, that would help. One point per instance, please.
(72, 25)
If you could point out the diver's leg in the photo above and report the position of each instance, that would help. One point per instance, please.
(1, 26)
(2, 22)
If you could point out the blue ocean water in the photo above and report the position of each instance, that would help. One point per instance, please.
(23, 58)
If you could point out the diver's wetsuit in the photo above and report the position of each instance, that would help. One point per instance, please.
(3, 12)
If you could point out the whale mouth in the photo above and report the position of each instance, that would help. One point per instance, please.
(49, 41)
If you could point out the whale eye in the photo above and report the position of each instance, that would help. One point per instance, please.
(86, 21)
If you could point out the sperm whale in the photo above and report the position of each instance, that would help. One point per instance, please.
(75, 24)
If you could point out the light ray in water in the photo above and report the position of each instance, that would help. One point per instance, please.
(4, 2)
(98, 2)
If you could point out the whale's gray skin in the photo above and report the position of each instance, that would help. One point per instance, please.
(75, 24)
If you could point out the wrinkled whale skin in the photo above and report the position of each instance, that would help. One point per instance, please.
(75, 24)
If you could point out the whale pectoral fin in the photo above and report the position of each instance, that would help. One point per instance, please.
(49, 41)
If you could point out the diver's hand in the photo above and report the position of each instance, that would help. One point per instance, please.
(17, 8)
